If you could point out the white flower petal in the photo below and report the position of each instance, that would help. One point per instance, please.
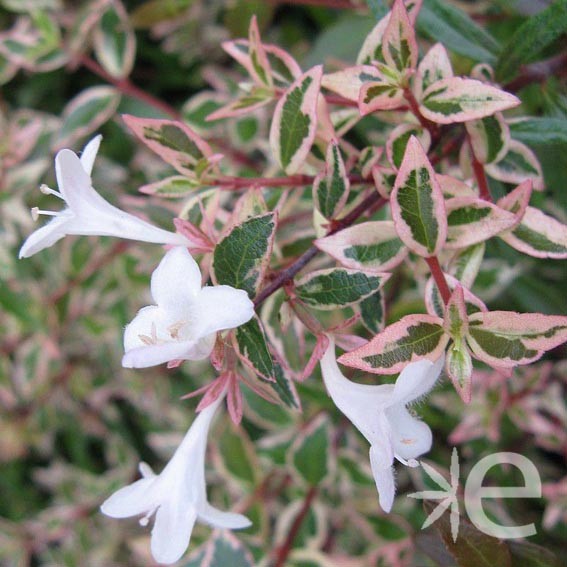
(151, 355)
(202, 348)
(384, 479)
(131, 500)
(221, 307)
(172, 531)
(410, 436)
(219, 519)
(89, 153)
(176, 280)
(45, 236)
(416, 379)
(148, 319)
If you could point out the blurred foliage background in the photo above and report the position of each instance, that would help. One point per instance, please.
(74, 423)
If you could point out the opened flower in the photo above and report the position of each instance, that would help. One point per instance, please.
(177, 496)
(380, 414)
(87, 213)
(184, 322)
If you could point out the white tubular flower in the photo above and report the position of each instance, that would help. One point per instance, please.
(177, 496)
(87, 213)
(379, 413)
(183, 324)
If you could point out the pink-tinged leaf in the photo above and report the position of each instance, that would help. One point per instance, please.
(452, 187)
(507, 339)
(489, 138)
(343, 120)
(517, 201)
(472, 220)
(24, 130)
(368, 158)
(456, 322)
(318, 352)
(538, 235)
(171, 187)
(399, 45)
(246, 104)
(285, 69)
(414, 337)
(398, 139)
(458, 100)
(114, 41)
(349, 81)
(435, 305)
(325, 133)
(260, 68)
(434, 66)
(84, 21)
(384, 179)
(518, 164)
(384, 94)
(417, 204)
(371, 49)
(234, 399)
(86, 113)
(459, 368)
(295, 121)
(465, 264)
(331, 188)
(373, 246)
(202, 243)
(174, 142)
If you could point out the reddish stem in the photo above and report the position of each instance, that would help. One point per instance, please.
(414, 107)
(439, 278)
(480, 177)
(285, 549)
(334, 4)
(233, 182)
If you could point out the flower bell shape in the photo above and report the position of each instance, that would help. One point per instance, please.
(87, 213)
(177, 496)
(183, 323)
(379, 412)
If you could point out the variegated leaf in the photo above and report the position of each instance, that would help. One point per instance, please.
(518, 164)
(489, 138)
(465, 264)
(174, 142)
(459, 368)
(399, 45)
(252, 349)
(507, 339)
(453, 187)
(367, 159)
(256, 98)
(457, 100)
(456, 322)
(260, 66)
(538, 235)
(398, 140)
(171, 187)
(366, 246)
(417, 203)
(434, 66)
(471, 220)
(331, 188)
(414, 337)
(335, 288)
(435, 304)
(114, 41)
(295, 121)
(349, 81)
(382, 94)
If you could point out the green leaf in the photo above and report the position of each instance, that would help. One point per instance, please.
(238, 455)
(331, 189)
(114, 41)
(241, 257)
(373, 313)
(536, 131)
(489, 137)
(449, 25)
(86, 113)
(284, 388)
(310, 452)
(295, 119)
(153, 12)
(527, 554)
(473, 548)
(252, 348)
(170, 187)
(337, 287)
(531, 38)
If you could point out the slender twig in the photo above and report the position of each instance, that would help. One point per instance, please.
(287, 274)
(334, 4)
(284, 550)
(233, 182)
(414, 107)
(480, 177)
(439, 278)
